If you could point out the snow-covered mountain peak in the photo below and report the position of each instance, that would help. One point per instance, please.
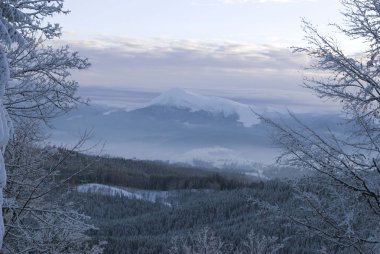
(183, 99)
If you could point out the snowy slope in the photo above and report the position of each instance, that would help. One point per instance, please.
(150, 196)
(182, 99)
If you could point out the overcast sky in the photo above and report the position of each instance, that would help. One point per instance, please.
(231, 48)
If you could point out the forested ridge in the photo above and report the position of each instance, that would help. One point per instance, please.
(149, 175)
(226, 204)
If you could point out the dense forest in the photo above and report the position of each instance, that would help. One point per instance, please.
(149, 175)
(229, 205)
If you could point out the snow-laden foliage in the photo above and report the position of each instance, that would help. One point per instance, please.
(34, 86)
(21, 19)
(351, 161)
(256, 244)
(35, 219)
(4, 131)
(41, 87)
(206, 241)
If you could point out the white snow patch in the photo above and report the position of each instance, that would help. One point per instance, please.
(150, 196)
(183, 99)
(110, 112)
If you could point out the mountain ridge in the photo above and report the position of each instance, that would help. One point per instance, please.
(183, 99)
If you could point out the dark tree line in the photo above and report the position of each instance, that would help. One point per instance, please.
(150, 175)
(135, 226)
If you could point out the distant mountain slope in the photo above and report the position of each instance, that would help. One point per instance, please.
(182, 99)
(180, 126)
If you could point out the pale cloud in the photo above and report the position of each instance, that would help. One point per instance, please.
(263, 1)
(231, 2)
(160, 64)
(265, 74)
(232, 56)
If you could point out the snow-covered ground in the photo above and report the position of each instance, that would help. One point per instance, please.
(150, 196)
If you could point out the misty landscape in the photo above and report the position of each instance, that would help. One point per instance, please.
(190, 126)
(182, 127)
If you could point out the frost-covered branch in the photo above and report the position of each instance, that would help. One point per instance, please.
(35, 217)
(41, 87)
(35, 86)
(349, 160)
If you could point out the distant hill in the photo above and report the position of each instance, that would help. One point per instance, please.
(181, 126)
(148, 175)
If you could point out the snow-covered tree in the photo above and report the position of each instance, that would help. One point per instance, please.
(257, 244)
(41, 87)
(203, 241)
(206, 241)
(351, 161)
(37, 216)
(34, 87)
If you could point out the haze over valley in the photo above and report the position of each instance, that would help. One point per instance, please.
(190, 127)
(179, 126)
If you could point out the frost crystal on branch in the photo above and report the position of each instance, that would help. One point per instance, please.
(33, 79)
(349, 162)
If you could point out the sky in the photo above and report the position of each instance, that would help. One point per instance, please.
(237, 49)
